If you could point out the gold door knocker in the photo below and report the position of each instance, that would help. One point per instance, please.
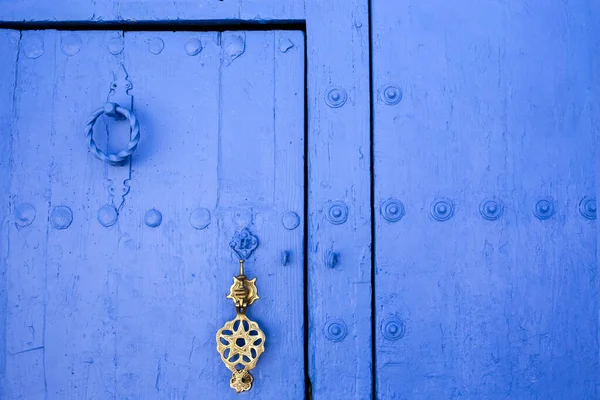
(240, 342)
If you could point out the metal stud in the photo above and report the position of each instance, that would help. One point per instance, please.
(61, 217)
(393, 328)
(200, 218)
(193, 47)
(107, 215)
(70, 44)
(391, 95)
(587, 207)
(491, 209)
(33, 46)
(335, 330)
(336, 97)
(442, 210)
(115, 45)
(392, 210)
(24, 214)
(156, 45)
(337, 212)
(544, 208)
(290, 220)
(153, 218)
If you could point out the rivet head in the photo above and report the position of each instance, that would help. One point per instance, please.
(491, 209)
(156, 45)
(61, 217)
(393, 328)
(33, 46)
(335, 330)
(115, 45)
(336, 97)
(153, 218)
(24, 214)
(337, 213)
(70, 44)
(391, 95)
(442, 210)
(200, 218)
(193, 47)
(392, 210)
(544, 208)
(587, 207)
(107, 215)
(290, 220)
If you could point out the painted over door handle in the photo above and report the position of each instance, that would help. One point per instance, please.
(115, 111)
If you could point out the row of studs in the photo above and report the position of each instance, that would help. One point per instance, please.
(491, 209)
(336, 96)
(61, 217)
(443, 209)
(33, 45)
(392, 328)
(337, 213)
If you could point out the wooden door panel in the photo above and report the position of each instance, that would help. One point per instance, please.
(339, 231)
(483, 123)
(130, 311)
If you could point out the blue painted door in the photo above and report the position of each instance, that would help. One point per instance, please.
(114, 277)
(485, 135)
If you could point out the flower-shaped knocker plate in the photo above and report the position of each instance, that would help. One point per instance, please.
(240, 343)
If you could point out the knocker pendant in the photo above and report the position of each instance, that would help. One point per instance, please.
(240, 342)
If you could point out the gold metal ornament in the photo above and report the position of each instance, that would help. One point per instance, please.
(240, 342)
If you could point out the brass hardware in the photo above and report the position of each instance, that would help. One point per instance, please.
(240, 342)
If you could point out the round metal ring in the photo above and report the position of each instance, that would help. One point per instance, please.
(113, 110)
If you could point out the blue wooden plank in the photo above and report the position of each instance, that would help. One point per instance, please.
(487, 106)
(30, 196)
(81, 305)
(9, 47)
(339, 242)
(261, 177)
(165, 346)
(157, 10)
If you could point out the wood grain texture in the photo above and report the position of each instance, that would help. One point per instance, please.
(339, 255)
(81, 305)
(30, 198)
(156, 10)
(130, 311)
(497, 104)
(9, 48)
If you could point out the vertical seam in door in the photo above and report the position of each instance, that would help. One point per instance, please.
(372, 179)
(220, 119)
(307, 383)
